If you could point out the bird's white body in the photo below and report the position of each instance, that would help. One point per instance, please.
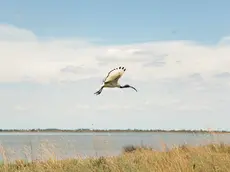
(111, 85)
(111, 80)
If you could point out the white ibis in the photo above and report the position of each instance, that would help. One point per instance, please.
(111, 81)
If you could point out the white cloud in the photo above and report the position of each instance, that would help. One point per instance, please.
(21, 108)
(116, 107)
(175, 80)
(9, 33)
(23, 55)
(192, 107)
(82, 106)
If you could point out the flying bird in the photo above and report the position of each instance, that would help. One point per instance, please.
(111, 80)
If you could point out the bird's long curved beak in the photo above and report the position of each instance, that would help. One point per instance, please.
(133, 88)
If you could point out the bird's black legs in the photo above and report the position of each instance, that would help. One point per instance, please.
(99, 91)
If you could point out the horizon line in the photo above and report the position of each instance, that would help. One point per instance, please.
(111, 130)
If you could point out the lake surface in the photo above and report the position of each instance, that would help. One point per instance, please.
(32, 146)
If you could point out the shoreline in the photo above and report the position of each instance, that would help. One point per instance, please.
(109, 130)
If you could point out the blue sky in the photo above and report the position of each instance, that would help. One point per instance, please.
(121, 21)
(54, 55)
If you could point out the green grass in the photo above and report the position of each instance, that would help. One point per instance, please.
(210, 158)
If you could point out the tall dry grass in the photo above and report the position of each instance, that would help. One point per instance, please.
(209, 158)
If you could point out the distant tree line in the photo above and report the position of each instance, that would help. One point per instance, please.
(110, 130)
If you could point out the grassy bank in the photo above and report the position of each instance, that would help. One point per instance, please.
(180, 159)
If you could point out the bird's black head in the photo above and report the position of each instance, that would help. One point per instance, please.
(128, 86)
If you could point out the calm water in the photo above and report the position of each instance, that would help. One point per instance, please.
(32, 146)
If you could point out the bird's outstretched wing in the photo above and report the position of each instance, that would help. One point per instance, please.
(115, 74)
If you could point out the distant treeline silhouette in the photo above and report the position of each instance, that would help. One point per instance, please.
(110, 130)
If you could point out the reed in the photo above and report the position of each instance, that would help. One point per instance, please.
(208, 158)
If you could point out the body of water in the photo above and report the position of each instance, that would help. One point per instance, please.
(33, 146)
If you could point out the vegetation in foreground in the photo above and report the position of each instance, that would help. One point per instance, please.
(214, 157)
